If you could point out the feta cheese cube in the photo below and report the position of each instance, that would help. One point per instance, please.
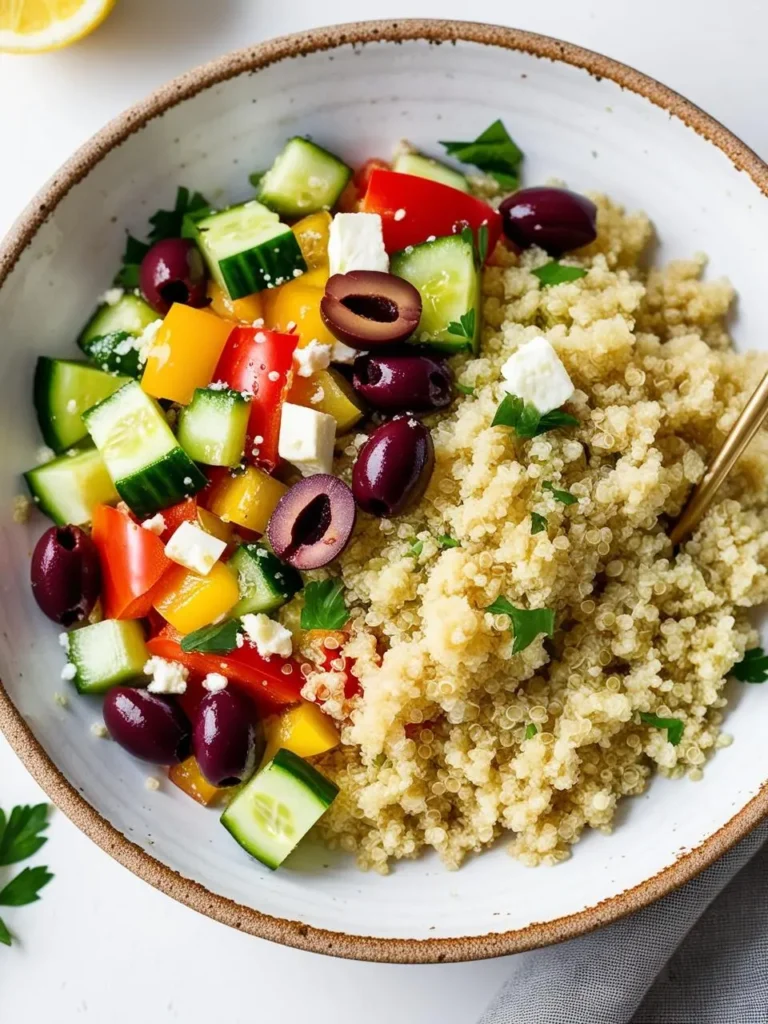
(356, 242)
(306, 439)
(167, 676)
(341, 353)
(536, 374)
(268, 636)
(311, 358)
(194, 548)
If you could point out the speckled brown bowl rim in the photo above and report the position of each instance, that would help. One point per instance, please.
(294, 933)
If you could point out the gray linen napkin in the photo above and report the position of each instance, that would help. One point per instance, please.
(699, 956)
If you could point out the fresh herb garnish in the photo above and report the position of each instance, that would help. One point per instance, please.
(465, 328)
(562, 496)
(482, 244)
(128, 275)
(530, 730)
(538, 523)
(526, 420)
(753, 667)
(527, 623)
(417, 546)
(324, 606)
(255, 178)
(557, 273)
(447, 542)
(674, 726)
(465, 389)
(219, 638)
(20, 838)
(493, 152)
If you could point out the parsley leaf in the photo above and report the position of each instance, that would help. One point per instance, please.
(526, 420)
(324, 605)
(465, 328)
(23, 889)
(493, 152)
(128, 275)
(447, 542)
(674, 726)
(5, 935)
(753, 667)
(219, 638)
(417, 546)
(554, 420)
(255, 178)
(563, 496)
(482, 244)
(19, 836)
(555, 273)
(527, 623)
(530, 730)
(465, 389)
(167, 223)
(538, 523)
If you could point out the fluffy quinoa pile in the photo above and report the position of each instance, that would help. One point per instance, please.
(439, 750)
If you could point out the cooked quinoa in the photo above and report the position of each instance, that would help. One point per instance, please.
(439, 750)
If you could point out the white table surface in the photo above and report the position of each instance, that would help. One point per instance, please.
(102, 945)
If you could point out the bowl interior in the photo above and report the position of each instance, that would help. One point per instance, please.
(359, 101)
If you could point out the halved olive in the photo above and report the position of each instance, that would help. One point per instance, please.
(312, 522)
(366, 308)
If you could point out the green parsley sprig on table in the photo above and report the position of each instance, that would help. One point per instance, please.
(20, 838)
(527, 623)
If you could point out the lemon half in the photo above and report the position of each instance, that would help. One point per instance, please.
(34, 26)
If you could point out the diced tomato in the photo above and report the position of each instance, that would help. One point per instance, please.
(271, 682)
(363, 173)
(260, 361)
(132, 562)
(424, 208)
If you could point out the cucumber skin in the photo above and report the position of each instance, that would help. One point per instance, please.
(434, 170)
(325, 790)
(101, 351)
(45, 374)
(161, 484)
(268, 565)
(229, 407)
(263, 266)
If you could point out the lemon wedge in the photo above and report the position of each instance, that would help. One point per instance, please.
(34, 26)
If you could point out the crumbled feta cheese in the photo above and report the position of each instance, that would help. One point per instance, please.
(112, 296)
(214, 682)
(146, 339)
(44, 453)
(69, 671)
(194, 548)
(268, 636)
(99, 730)
(356, 242)
(535, 373)
(399, 214)
(22, 509)
(317, 397)
(167, 676)
(218, 385)
(61, 699)
(239, 640)
(154, 525)
(341, 353)
(306, 439)
(311, 358)
(151, 783)
(64, 641)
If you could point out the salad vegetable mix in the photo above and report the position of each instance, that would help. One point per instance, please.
(195, 473)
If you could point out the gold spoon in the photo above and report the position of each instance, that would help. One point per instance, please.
(741, 433)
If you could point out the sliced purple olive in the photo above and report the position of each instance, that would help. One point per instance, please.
(313, 522)
(65, 574)
(151, 728)
(394, 467)
(555, 219)
(394, 383)
(366, 308)
(173, 271)
(227, 738)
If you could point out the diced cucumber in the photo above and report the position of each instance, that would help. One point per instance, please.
(426, 167)
(246, 248)
(107, 654)
(273, 812)
(107, 337)
(63, 390)
(265, 582)
(68, 488)
(303, 179)
(213, 426)
(151, 471)
(447, 278)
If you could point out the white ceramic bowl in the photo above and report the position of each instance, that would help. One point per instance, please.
(359, 89)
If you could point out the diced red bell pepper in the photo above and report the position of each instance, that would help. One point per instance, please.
(184, 512)
(132, 562)
(259, 362)
(425, 208)
(271, 682)
(363, 173)
(325, 656)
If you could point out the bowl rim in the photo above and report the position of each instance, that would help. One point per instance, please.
(19, 734)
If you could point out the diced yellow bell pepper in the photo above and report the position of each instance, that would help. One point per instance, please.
(247, 499)
(327, 391)
(188, 777)
(244, 310)
(312, 235)
(184, 353)
(305, 730)
(215, 526)
(295, 306)
(189, 601)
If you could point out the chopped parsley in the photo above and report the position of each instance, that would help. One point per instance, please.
(674, 726)
(128, 275)
(753, 667)
(526, 420)
(465, 328)
(565, 497)
(219, 638)
(530, 731)
(447, 542)
(538, 523)
(527, 623)
(20, 838)
(493, 152)
(324, 605)
(556, 273)
(465, 389)
(417, 546)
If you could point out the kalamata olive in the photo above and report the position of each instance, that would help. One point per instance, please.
(366, 308)
(173, 271)
(553, 218)
(227, 738)
(313, 522)
(65, 574)
(149, 727)
(393, 467)
(397, 382)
